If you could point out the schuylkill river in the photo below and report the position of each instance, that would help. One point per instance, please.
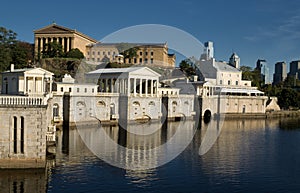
(254, 155)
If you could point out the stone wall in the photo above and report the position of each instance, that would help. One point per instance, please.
(28, 151)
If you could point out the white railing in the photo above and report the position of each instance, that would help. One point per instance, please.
(22, 101)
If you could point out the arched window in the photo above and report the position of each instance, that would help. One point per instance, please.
(136, 103)
(101, 103)
(174, 103)
(151, 103)
(80, 104)
(55, 110)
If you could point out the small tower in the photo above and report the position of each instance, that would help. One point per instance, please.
(208, 52)
(234, 61)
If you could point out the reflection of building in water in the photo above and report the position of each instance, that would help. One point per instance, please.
(137, 145)
(25, 181)
(234, 145)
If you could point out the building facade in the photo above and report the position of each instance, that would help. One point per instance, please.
(146, 54)
(280, 73)
(68, 38)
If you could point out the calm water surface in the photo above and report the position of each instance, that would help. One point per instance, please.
(247, 156)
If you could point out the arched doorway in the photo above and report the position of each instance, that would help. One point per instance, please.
(207, 116)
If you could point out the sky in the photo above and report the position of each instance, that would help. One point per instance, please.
(254, 29)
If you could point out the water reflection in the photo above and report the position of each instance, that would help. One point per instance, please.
(23, 181)
(138, 146)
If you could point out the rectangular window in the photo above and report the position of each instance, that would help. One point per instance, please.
(93, 90)
(114, 53)
(62, 89)
(22, 134)
(141, 60)
(146, 53)
(77, 89)
(236, 82)
(70, 89)
(141, 53)
(228, 82)
(151, 60)
(88, 53)
(135, 60)
(93, 53)
(151, 53)
(98, 53)
(15, 134)
(146, 60)
(85, 89)
(129, 60)
(221, 81)
(103, 53)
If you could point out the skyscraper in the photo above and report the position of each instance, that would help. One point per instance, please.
(280, 72)
(295, 69)
(261, 66)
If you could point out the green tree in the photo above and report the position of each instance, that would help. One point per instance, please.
(7, 39)
(288, 98)
(75, 53)
(128, 50)
(53, 50)
(187, 66)
(22, 54)
(252, 75)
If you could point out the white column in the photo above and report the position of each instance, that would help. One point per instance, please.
(50, 89)
(63, 43)
(151, 87)
(111, 85)
(141, 81)
(156, 86)
(146, 87)
(25, 84)
(34, 86)
(106, 85)
(134, 86)
(43, 85)
(67, 43)
(129, 86)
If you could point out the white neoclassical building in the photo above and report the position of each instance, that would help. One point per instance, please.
(28, 81)
(135, 81)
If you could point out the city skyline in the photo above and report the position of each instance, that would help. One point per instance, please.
(266, 29)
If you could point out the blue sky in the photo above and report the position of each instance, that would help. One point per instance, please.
(268, 29)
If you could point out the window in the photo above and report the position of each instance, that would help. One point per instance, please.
(221, 82)
(151, 60)
(146, 53)
(70, 89)
(93, 90)
(114, 53)
(93, 53)
(141, 53)
(85, 90)
(15, 134)
(146, 60)
(151, 53)
(236, 82)
(129, 60)
(103, 53)
(108, 53)
(77, 89)
(98, 53)
(88, 53)
(22, 134)
(55, 110)
(141, 60)
(228, 82)
(62, 89)
(135, 60)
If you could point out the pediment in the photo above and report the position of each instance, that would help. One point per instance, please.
(53, 29)
(38, 71)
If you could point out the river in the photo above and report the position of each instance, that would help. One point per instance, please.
(253, 155)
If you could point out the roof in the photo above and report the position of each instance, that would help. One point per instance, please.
(241, 90)
(57, 29)
(27, 70)
(133, 44)
(223, 66)
(207, 70)
(120, 71)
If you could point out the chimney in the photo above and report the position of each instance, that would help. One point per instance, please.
(12, 67)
